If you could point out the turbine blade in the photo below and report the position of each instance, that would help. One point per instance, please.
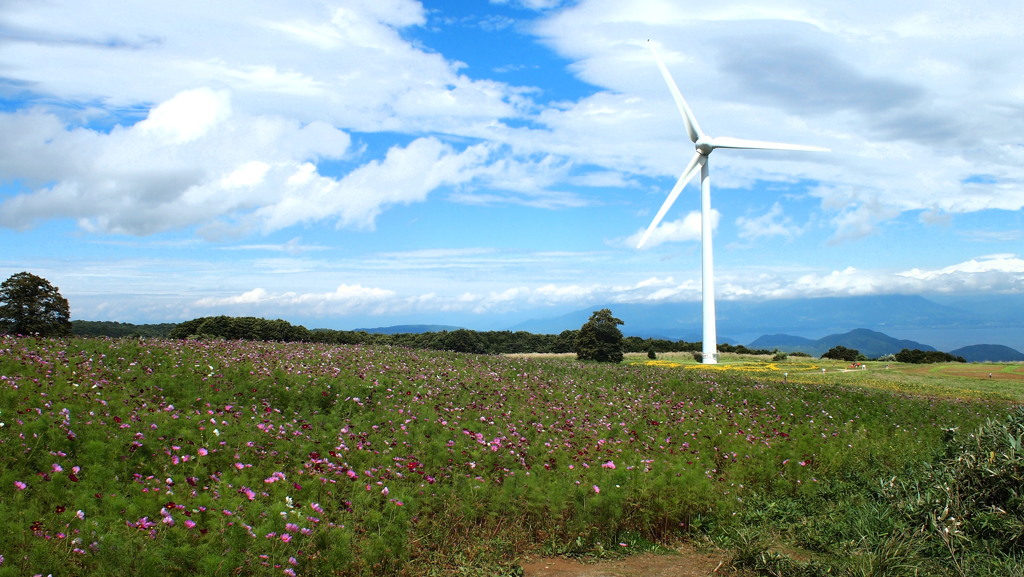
(692, 127)
(728, 142)
(696, 162)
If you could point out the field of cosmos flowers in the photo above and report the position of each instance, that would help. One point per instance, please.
(149, 457)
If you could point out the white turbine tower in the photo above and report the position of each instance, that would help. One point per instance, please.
(705, 145)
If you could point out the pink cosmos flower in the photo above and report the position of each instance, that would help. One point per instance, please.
(286, 537)
(608, 465)
(597, 489)
(20, 486)
(57, 468)
(203, 452)
(190, 523)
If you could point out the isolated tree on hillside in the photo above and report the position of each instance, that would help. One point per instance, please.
(599, 339)
(841, 353)
(31, 305)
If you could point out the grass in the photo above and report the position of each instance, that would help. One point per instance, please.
(213, 457)
(947, 380)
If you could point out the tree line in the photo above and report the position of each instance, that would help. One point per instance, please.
(30, 305)
(459, 340)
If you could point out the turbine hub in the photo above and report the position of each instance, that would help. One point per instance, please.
(704, 145)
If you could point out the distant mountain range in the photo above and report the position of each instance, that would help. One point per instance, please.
(988, 353)
(744, 322)
(871, 344)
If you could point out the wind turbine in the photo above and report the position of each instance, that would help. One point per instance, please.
(705, 144)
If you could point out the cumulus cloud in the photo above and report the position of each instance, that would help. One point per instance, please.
(772, 223)
(346, 299)
(686, 229)
(192, 160)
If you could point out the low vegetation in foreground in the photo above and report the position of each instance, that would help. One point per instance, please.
(150, 456)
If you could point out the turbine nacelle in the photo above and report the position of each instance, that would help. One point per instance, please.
(705, 144)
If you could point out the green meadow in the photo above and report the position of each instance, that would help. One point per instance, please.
(184, 457)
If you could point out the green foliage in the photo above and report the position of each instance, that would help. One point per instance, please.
(921, 357)
(740, 350)
(841, 353)
(240, 328)
(30, 305)
(600, 339)
(118, 330)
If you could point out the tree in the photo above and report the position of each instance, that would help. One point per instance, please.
(922, 357)
(599, 339)
(841, 353)
(31, 305)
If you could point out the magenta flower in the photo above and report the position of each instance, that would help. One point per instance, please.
(608, 465)
(286, 537)
(20, 486)
(189, 523)
(597, 489)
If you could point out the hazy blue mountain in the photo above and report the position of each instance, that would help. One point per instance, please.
(813, 316)
(988, 353)
(409, 329)
(871, 344)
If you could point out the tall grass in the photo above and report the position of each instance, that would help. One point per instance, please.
(198, 457)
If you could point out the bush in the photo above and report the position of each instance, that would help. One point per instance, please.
(973, 498)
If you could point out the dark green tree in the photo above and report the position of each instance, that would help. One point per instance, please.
(30, 305)
(841, 353)
(599, 339)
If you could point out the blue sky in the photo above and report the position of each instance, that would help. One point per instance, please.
(363, 163)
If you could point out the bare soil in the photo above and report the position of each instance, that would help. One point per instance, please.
(687, 562)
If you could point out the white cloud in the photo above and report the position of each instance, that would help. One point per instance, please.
(186, 117)
(192, 161)
(346, 299)
(772, 223)
(404, 176)
(686, 229)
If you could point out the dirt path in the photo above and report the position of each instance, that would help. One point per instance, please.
(688, 563)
